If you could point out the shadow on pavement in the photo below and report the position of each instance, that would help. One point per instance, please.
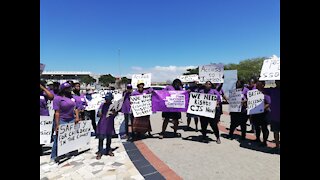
(197, 139)
(252, 145)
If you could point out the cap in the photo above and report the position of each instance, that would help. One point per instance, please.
(64, 86)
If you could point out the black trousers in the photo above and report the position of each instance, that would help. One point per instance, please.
(100, 147)
(238, 118)
(204, 121)
(127, 117)
(91, 115)
(260, 122)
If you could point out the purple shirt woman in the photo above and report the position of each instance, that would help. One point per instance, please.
(260, 121)
(175, 116)
(212, 121)
(105, 127)
(141, 124)
(126, 110)
(81, 102)
(65, 112)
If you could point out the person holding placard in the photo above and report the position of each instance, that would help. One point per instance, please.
(251, 86)
(81, 102)
(218, 87)
(65, 112)
(212, 121)
(126, 110)
(141, 125)
(239, 118)
(261, 120)
(193, 88)
(175, 116)
(45, 95)
(105, 128)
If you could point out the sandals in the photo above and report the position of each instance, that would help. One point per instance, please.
(98, 156)
(110, 153)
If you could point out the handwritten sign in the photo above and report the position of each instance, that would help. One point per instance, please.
(141, 105)
(211, 72)
(73, 137)
(189, 78)
(145, 78)
(230, 79)
(235, 100)
(46, 123)
(202, 104)
(255, 103)
(95, 102)
(270, 69)
(116, 105)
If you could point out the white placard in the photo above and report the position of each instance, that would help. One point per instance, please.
(116, 105)
(255, 104)
(175, 100)
(270, 69)
(73, 137)
(46, 123)
(211, 72)
(141, 105)
(230, 80)
(145, 78)
(235, 100)
(202, 104)
(95, 102)
(189, 78)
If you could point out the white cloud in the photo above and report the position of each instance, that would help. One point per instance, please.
(161, 73)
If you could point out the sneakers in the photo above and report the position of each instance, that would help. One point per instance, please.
(218, 141)
(161, 136)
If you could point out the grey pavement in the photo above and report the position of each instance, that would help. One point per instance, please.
(196, 160)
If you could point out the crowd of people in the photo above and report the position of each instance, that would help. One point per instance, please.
(69, 106)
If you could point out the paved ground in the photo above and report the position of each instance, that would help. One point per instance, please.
(186, 156)
(191, 159)
(85, 165)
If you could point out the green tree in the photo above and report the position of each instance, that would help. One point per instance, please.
(105, 80)
(125, 80)
(87, 79)
(192, 71)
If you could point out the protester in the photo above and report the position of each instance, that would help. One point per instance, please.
(80, 100)
(126, 110)
(251, 86)
(65, 112)
(239, 118)
(105, 128)
(141, 125)
(192, 88)
(45, 95)
(275, 113)
(260, 121)
(212, 121)
(90, 114)
(175, 116)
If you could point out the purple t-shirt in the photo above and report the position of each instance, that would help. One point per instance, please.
(80, 101)
(43, 105)
(171, 88)
(214, 92)
(275, 110)
(267, 100)
(65, 105)
(126, 107)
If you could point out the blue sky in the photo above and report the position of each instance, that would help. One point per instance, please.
(159, 36)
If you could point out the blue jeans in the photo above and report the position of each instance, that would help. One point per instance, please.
(55, 137)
